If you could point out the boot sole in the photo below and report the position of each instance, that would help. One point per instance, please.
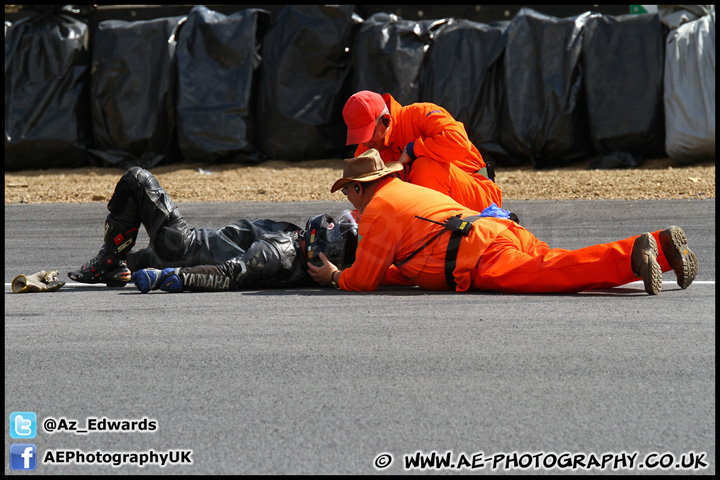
(644, 263)
(681, 259)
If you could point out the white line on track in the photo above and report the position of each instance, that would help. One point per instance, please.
(85, 285)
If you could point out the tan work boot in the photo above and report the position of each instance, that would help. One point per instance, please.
(644, 263)
(681, 259)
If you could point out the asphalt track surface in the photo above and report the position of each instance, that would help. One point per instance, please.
(319, 381)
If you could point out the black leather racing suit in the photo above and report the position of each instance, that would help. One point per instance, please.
(246, 254)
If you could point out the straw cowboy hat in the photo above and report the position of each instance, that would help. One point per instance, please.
(366, 167)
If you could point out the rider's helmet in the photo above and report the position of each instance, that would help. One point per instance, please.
(336, 238)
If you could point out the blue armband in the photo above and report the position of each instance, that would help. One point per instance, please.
(409, 149)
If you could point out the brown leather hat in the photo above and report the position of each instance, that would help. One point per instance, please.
(366, 167)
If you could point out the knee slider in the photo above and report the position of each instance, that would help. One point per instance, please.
(145, 179)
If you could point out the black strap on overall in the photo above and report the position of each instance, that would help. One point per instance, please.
(453, 247)
(459, 227)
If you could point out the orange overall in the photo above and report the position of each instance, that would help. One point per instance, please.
(497, 255)
(446, 160)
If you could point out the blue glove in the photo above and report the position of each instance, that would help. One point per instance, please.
(151, 279)
(494, 211)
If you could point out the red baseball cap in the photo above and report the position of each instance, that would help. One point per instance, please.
(360, 113)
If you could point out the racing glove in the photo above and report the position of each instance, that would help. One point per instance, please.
(494, 211)
(41, 281)
(148, 279)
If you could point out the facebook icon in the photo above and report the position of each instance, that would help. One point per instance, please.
(23, 456)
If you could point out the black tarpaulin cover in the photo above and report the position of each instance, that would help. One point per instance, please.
(134, 84)
(544, 118)
(47, 83)
(388, 54)
(623, 60)
(217, 56)
(304, 82)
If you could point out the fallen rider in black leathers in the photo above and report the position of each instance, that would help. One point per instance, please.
(247, 254)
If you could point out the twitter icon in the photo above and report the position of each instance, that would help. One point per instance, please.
(23, 424)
